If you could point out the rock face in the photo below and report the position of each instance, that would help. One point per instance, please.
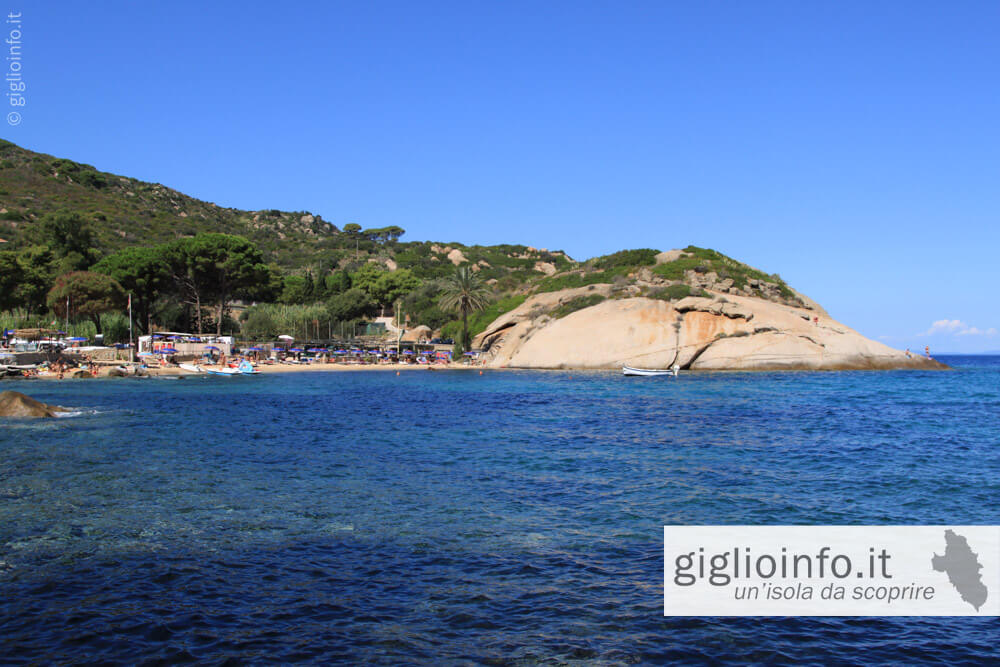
(719, 332)
(16, 404)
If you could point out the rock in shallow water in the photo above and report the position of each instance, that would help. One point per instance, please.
(16, 404)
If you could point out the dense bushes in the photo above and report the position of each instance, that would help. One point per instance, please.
(577, 303)
(626, 258)
(704, 260)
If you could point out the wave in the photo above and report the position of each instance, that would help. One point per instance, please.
(65, 414)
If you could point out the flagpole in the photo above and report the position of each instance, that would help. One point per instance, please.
(130, 350)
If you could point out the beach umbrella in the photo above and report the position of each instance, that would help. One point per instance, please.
(122, 346)
(316, 349)
(340, 352)
(470, 354)
(175, 337)
(407, 351)
(166, 350)
(295, 349)
(77, 339)
(255, 349)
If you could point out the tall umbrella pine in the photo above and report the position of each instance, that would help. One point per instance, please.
(464, 292)
(214, 268)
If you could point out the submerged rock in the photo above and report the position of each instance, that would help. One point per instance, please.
(16, 404)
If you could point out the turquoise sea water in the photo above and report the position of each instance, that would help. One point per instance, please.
(450, 517)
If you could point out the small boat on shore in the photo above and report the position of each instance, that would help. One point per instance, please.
(222, 371)
(245, 368)
(649, 372)
(192, 368)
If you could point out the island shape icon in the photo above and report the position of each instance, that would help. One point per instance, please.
(962, 566)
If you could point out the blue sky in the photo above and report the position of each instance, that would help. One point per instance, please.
(852, 147)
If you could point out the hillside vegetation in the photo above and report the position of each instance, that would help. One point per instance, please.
(58, 217)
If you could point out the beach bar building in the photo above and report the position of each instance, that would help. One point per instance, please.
(186, 344)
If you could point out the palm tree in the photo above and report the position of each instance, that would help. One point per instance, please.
(464, 292)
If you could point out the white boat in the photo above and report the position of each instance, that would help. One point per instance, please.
(192, 368)
(243, 369)
(647, 372)
(222, 371)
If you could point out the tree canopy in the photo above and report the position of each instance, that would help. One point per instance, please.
(142, 271)
(86, 294)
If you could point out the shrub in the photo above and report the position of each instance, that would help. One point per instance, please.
(671, 292)
(571, 280)
(626, 258)
(577, 303)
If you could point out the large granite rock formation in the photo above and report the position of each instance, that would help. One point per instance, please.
(714, 332)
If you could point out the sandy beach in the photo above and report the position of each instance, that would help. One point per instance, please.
(268, 369)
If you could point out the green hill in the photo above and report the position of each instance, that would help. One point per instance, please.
(123, 212)
(128, 212)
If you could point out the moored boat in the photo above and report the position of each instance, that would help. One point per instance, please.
(648, 372)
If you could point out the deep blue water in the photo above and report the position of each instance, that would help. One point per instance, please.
(449, 517)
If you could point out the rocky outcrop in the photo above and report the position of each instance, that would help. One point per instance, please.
(16, 404)
(548, 268)
(720, 332)
(669, 256)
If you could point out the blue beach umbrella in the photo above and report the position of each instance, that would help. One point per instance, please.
(295, 349)
(211, 347)
(77, 339)
(166, 350)
(255, 349)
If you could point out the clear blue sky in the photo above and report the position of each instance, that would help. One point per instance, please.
(853, 147)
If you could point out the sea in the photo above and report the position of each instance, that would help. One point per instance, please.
(452, 517)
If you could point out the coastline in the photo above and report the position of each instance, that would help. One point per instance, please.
(916, 364)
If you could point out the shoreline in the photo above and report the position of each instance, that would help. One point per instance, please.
(282, 369)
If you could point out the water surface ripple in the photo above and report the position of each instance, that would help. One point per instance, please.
(451, 517)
